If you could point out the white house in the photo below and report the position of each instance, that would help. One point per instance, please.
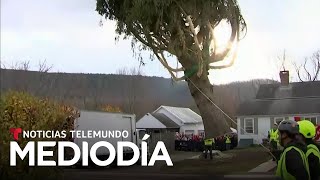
(275, 103)
(187, 121)
(160, 128)
(156, 121)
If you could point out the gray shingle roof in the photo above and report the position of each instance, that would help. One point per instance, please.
(274, 99)
(186, 115)
(280, 106)
(300, 89)
(165, 120)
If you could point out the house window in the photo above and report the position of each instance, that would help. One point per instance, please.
(200, 132)
(156, 131)
(189, 132)
(248, 125)
(278, 120)
(314, 120)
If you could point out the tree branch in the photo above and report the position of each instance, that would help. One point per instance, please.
(310, 75)
(234, 56)
(298, 71)
(167, 65)
(195, 39)
(235, 28)
(306, 70)
(162, 58)
(163, 61)
(43, 67)
(136, 35)
(197, 44)
(212, 38)
(2, 65)
(316, 63)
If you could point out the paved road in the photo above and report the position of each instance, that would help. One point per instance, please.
(150, 173)
(109, 174)
(116, 175)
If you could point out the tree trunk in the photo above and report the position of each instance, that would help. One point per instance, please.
(214, 120)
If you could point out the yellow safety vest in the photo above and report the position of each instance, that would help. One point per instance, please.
(313, 149)
(274, 135)
(209, 142)
(282, 168)
(228, 141)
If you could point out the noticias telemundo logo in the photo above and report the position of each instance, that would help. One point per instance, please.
(82, 151)
(15, 132)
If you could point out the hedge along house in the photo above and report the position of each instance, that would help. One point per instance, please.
(275, 103)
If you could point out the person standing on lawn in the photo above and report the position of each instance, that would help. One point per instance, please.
(208, 145)
(228, 142)
(273, 139)
(293, 163)
(308, 132)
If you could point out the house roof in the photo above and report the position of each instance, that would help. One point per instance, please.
(185, 115)
(294, 90)
(165, 120)
(274, 99)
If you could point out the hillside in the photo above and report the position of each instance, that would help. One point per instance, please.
(134, 94)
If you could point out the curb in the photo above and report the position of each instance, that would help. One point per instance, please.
(250, 177)
(264, 167)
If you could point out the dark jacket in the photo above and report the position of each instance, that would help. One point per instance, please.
(294, 162)
(314, 165)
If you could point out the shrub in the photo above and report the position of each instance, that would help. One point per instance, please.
(23, 110)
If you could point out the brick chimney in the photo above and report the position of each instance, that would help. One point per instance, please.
(284, 78)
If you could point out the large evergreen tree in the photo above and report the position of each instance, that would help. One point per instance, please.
(184, 29)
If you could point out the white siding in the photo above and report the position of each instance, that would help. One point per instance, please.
(263, 128)
(148, 121)
(264, 125)
(195, 127)
(239, 129)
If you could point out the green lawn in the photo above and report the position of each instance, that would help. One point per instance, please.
(240, 161)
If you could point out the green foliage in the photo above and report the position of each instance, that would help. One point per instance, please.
(30, 113)
(160, 24)
(111, 109)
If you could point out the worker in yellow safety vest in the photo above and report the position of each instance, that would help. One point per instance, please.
(308, 131)
(274, 138)
(208, 144)
(228, 142)
(293, 164)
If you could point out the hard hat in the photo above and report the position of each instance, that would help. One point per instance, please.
(292, 127)
(307, 129)
(275, 124)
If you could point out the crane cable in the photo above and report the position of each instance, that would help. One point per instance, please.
(227, 114)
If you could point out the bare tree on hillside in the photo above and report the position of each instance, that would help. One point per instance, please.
(130, 90)
(23, 65)
(309, 70)
(45, 82)
(44, 67)
(41, 85)
(130, 72)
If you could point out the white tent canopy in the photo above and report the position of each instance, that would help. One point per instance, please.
(233, 130)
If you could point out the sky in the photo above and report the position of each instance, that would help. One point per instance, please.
(66, 33)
